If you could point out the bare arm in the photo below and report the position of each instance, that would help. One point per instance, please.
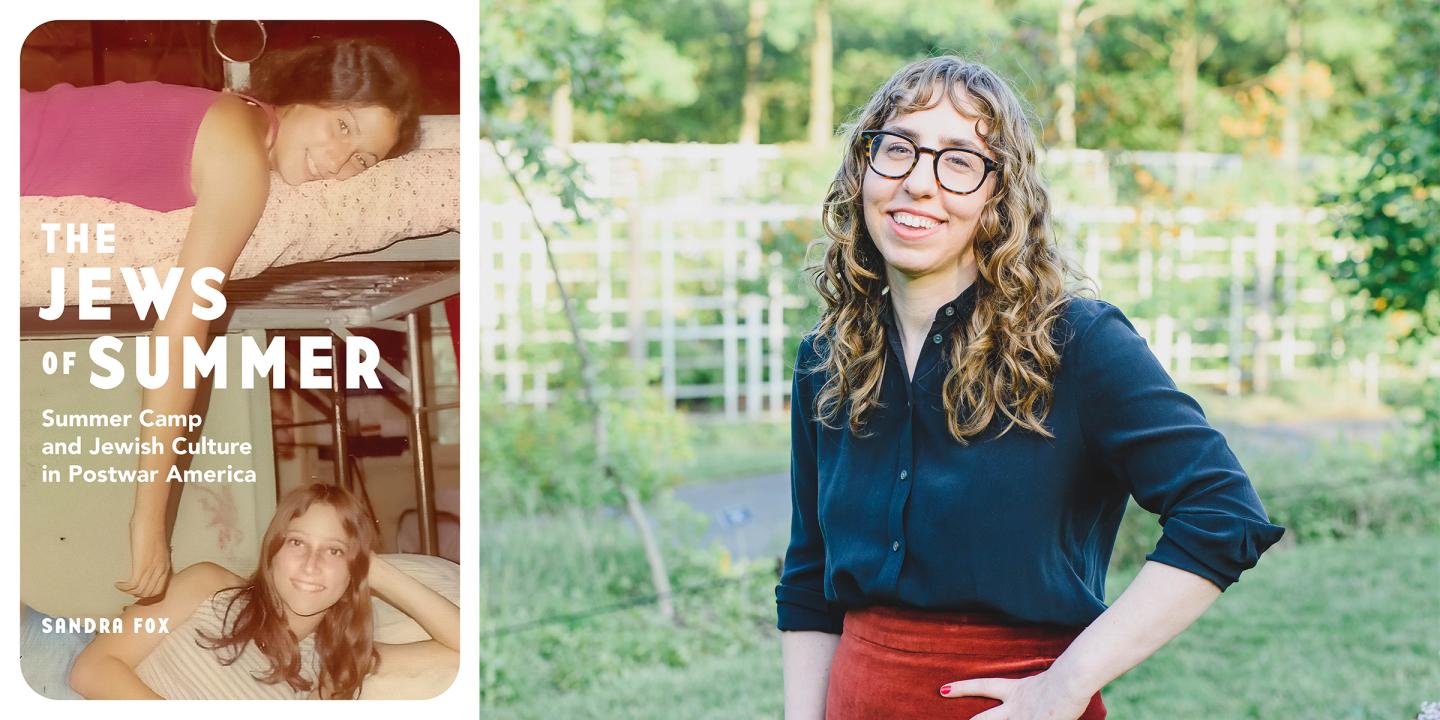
(105, 669)
(231, 176)
(401, 664)
(1159, 604)
(809, 624)
(807, 657)
(436, 614)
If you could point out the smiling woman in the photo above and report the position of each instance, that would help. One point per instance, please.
(331, 143)
(967, 432)
(299, 627)
(341, 108)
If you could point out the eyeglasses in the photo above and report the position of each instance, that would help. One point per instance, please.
(958, 170)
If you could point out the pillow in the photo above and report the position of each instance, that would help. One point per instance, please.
(436, 573)
(412, 195)
(393, 626)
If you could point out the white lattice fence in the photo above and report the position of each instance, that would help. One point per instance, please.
(689, 289)
(674, 275)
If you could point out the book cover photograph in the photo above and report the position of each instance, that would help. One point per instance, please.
(239, 357)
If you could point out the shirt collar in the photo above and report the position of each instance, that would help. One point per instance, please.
(946, 316)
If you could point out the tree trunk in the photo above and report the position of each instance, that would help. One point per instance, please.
(664, 597)
(1290, 131)
(1187, 69)
(750, 102)
(1065, 39)
(822, 64)
(653, 555)
(562, 116)
(659, 577)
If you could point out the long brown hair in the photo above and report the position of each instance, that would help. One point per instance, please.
(1004, 358)
(345, 638)
(345, 72)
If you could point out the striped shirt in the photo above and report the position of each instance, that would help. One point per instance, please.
(180, 668)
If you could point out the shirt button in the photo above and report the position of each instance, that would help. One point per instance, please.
(895, 546)
(949, 311)
(937, 338)
(904, 474)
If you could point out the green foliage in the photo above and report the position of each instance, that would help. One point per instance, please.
(560, 612)
(735, 450)
(1392, 213)
(545, 460)
(674, 70)
(527, 52)
(1327, 630)
(1427, 425)
(1334, 492)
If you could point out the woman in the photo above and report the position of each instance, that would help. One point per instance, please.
(967, 433)
(325, 112)
(299, 627)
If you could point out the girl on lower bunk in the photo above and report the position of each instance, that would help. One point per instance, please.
(967, 432)
(319, 113)
(300, 627)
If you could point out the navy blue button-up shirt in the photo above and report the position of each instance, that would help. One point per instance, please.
(1016, 524)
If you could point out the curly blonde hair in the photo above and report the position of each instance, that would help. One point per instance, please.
(1003, 360)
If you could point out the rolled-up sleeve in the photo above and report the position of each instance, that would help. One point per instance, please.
(800, 596)
(1156, 440)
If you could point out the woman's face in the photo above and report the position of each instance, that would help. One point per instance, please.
(331, 143)
(312, 568)
(919, 227)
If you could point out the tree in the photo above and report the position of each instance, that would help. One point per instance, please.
(533, 53)
(1391, 214)
(754, 49)
(1074, 18)
(822, 66)
(1295, 76)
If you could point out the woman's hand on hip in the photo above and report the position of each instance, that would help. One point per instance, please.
(1038, 697)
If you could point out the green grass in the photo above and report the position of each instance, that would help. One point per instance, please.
(723, 688)
(566, 580)
(1329, 630)
(728, 450)
(1342, 625)
(1290, 401)
(1346, 629)
(731, 450)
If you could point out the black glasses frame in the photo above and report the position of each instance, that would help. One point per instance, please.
(872, 141)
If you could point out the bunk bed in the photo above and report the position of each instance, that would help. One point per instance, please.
(374, 251)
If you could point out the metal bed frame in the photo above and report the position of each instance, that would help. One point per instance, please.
(391, 289)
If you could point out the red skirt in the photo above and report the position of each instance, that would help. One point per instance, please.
(892, 662)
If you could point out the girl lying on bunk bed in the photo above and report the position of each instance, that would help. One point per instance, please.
(320, 113)
(299, 627)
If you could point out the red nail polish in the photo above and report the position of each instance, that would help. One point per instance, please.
(945, 690)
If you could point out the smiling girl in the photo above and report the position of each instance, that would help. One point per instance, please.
(299, 627)
(966, 435)
(325, 112)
